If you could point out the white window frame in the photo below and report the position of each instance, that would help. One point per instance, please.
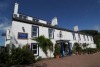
(37, 32)
(52, 33)
(32, 44)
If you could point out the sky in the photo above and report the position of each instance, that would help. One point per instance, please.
(84, 13)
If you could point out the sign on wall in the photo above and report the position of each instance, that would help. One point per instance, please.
(22, 35)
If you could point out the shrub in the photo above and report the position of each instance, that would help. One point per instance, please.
(77, 48)
(91, 50)
(4, 57)
(57, 50)
(21, 56)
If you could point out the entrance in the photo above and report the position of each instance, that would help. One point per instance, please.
(65, 47)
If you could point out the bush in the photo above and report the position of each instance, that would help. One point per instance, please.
(77, 48)
(90, 50)
(21, 56)
(57, 50)
(18, 56)
(4, 57)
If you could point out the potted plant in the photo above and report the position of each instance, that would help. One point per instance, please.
(57, 52)
(77, 48)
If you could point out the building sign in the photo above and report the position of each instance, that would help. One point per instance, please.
(22, 35)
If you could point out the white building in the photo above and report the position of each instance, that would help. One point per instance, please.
(25, 27)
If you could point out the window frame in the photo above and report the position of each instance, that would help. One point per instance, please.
(79, 36)
(84, 38)
(60, 34)
(87, 37)
(91, 38)
(51, 33)
(35, 49)
(74, 37)
(37, 32)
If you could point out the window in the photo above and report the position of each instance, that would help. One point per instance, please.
(91, 38)
(74, 38)
(51, 33)
(87, 38)
(60, 34)
(35, 31)
(84, 38)
(79, 37)
(34, 48)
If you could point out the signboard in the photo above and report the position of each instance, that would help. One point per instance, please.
(22, 35)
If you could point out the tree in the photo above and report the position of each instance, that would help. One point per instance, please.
(44, 43)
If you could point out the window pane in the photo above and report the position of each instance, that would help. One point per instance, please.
(51, 33)
(74, 38)
(34, 46)
(84, 38)
(34, 29)
(35, 51)
(34, 33)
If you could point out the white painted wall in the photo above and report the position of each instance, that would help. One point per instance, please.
(17, 27)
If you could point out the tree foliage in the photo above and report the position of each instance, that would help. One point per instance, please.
(44, 43)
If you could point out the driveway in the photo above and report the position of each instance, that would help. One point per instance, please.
(91, 60)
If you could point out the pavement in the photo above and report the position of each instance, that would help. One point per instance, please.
(89, 60)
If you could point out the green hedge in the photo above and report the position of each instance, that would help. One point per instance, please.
(90, 50)
(18, 56)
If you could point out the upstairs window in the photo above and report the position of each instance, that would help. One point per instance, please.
(79, 37)
(74, 38)
(35, 30)
(88, 38)
(84, 38)
(60, 34)
(91, 38)
(51, 33)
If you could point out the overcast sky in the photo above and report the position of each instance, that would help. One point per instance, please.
(84, 13)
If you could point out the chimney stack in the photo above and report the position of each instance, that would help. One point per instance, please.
(16, 8)
(76, 28)
(54, 21)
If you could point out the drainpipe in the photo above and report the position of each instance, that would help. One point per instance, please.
(62, 49)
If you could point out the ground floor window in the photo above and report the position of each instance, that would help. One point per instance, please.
(34, 47)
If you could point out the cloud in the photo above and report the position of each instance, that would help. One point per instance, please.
(97, 27)
(4, 23)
